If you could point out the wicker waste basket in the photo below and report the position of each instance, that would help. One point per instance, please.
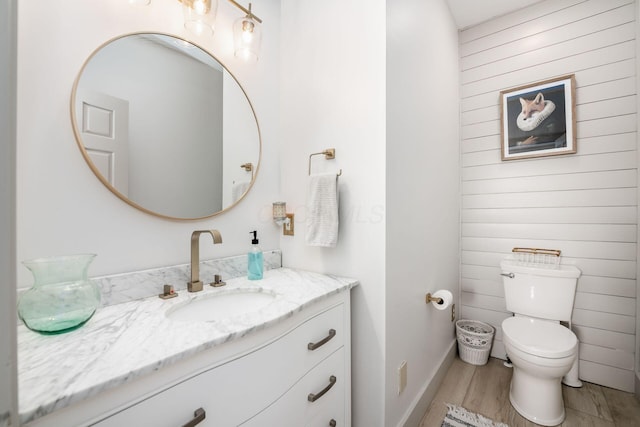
(474, 341)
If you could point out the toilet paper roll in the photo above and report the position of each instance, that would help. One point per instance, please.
(447, 299)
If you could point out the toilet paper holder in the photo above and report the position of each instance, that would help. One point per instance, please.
(430, 299)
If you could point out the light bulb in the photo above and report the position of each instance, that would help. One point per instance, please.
(199, 7)
(247, 31)
(247, 37)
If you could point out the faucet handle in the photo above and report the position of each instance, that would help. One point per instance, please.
(168, 292)
(217, 281)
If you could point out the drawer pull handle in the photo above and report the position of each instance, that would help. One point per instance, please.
(313, 397)
(198, 416)
(333, 423)
(314, 345)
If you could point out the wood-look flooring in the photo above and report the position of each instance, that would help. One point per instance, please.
(485, 390)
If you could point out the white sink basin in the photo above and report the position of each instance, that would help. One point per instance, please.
(218, 306)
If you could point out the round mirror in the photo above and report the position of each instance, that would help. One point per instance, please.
(165, 126)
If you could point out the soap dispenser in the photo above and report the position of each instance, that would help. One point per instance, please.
(255, 259)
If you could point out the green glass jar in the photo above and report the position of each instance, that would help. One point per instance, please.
(62, 297)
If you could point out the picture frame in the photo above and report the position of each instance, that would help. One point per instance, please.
(538, 120)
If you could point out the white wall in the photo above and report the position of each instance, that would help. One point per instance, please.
(341, 90)
(333, 95)
(8, 362)
(584, 204)
(62, 208)
(422, 170)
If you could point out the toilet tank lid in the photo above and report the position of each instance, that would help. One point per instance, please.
(539, 337)
(563, 270)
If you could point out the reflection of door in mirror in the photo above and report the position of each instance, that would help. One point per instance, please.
(176, 169)
(104, 122)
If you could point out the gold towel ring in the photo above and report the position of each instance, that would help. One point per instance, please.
(329, 154)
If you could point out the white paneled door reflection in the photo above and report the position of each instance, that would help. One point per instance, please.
(104, 127)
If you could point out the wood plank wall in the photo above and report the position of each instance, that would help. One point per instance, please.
(584, 204)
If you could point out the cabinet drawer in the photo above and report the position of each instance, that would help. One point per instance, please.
(319, 337)
(235, 391)
(294, 408)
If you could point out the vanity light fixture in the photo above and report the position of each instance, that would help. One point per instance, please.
(281, 217)
(247, 34)
(199, 15)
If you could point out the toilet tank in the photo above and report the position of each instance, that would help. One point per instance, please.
(545, 292)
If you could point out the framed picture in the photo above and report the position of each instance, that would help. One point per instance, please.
(538, 119)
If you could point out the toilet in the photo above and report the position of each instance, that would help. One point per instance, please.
(541, 350)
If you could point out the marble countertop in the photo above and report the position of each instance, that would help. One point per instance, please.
(122, 342)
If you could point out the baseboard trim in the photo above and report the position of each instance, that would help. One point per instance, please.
(419, 407)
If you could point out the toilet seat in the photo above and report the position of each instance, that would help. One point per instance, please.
(539, 337)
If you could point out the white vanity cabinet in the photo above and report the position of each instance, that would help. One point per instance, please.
(317, 400)
(269, 385)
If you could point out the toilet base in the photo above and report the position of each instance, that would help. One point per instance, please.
(537, 399)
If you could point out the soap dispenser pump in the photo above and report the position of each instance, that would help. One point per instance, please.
(255, 260)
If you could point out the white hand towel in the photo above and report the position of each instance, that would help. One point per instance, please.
(238, 190)
(322, 207)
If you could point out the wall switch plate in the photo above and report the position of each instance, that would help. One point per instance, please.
(287, 229)
(402, 376)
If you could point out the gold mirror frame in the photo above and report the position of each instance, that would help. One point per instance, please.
(74, 121)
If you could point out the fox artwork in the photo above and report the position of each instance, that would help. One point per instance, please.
(537, 120)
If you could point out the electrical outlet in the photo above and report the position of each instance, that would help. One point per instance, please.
(402, 376)
(453, 312)
(287, 229)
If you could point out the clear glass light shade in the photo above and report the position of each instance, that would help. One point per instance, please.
(247, 37)
(200, 15)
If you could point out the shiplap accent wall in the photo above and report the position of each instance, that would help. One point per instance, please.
(584, 204)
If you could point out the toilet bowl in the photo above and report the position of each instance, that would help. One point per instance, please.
(541, 352)
(540, 295)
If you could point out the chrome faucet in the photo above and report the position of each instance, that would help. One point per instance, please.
(195, 285)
